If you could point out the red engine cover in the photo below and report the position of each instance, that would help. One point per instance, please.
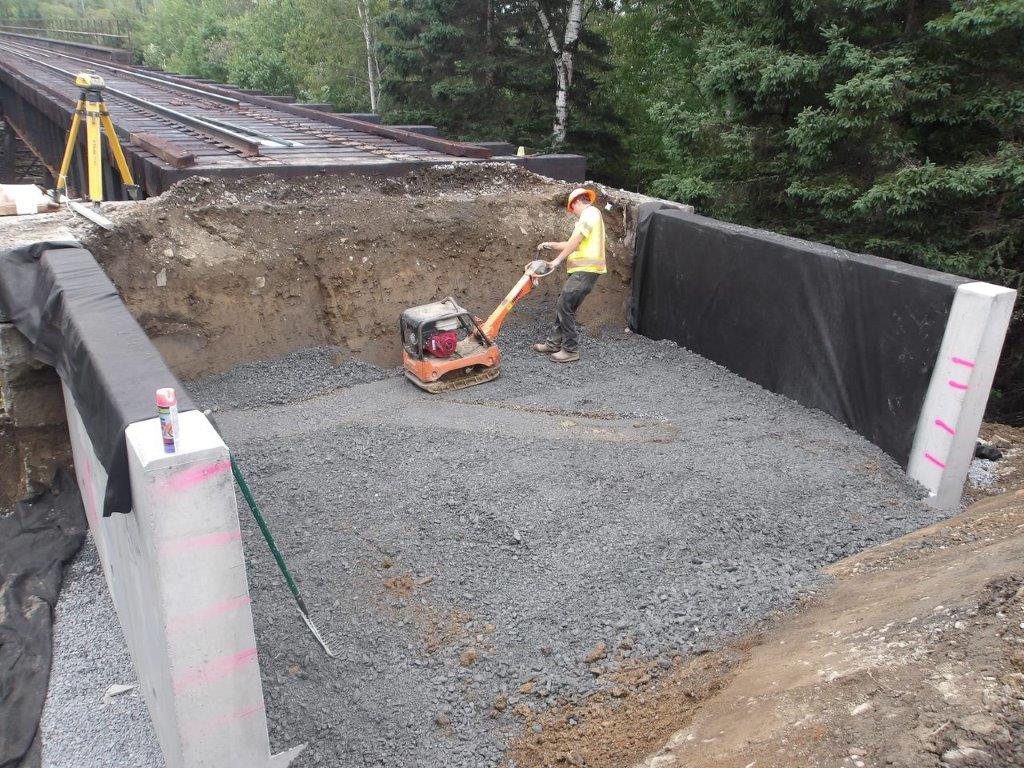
(442, 343)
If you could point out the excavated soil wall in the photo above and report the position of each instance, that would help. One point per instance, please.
(222, 272)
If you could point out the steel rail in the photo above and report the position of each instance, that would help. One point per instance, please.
(444, 146)
(160, 82)
(269, 137)
(131, 73)
(65, 32)
(212, 130)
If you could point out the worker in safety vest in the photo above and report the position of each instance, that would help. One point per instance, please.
(585, 253)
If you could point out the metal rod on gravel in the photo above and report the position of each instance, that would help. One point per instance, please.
(243, 486)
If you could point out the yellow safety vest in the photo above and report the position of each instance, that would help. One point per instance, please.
(589, 256)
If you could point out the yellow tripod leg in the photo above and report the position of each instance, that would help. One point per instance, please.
(92, 143)
(118, 153)
(65, 163)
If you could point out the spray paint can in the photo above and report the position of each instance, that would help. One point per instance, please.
(167, 410)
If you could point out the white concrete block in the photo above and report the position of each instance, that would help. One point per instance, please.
(955, 403)
(177, 576)
(92, 478)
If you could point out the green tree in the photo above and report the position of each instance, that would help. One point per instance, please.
(262, 55)
(481, 70)
(467, 66)
(651, 55)
(190, 36)
(892, 126)
(311, 49)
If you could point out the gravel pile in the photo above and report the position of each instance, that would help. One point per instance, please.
(89, 655)
(981, 473)
(297, 376)
(510, 545)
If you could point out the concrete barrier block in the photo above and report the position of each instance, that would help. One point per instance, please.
(177, 576)
(958, 392)
(561, 167)
(366, 117)
(423, 130)
(500, 148)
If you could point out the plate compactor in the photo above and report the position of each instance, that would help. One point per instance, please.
(444, 347)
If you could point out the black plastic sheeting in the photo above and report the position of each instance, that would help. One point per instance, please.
(36, 540)
(58, 296)
(853, 335)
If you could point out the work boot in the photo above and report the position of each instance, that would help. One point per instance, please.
(545, 348)
(565, 356)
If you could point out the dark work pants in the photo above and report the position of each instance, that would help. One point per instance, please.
(564, 332)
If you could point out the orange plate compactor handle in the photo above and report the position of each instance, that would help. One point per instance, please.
(492, 325)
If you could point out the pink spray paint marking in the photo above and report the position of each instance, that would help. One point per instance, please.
(957, 384)
(187, 620)
(179, 546)
(224, 721)
(961, 361)
(935, 461)
(943, 425)
(193, 476)
(215, 670)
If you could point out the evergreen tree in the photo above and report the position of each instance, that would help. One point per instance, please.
(467, 66)
(482, 71)
(893, 126)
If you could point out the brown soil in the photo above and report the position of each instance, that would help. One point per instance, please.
(220, 272)
(621, 724)
(913, 658)
(440, 627)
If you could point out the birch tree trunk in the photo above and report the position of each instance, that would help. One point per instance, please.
(565, 58)
(372, 69)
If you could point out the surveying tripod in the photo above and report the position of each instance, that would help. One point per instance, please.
(92, 107)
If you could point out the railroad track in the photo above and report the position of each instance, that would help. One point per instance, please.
(179, 124)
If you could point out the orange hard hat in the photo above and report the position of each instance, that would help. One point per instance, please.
(591, 196)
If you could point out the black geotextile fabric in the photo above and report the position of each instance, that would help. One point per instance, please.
(853, 335)
(36, 540)
(58, 296)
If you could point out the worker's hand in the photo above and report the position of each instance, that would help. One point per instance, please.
(552, 265)
(546, 247)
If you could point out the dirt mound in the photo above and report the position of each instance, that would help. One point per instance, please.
(913, 659)
(227, 271)
(438, 180)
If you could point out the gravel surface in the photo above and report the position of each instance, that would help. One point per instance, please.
(309, 372)
(982, 473)
(89, 655)
(455, 548)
